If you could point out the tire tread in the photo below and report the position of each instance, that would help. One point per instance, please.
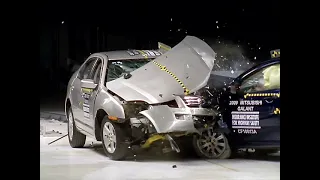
(78, 139)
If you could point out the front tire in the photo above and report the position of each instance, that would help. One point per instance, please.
(212, 145)
(114, 140)
(76, 139)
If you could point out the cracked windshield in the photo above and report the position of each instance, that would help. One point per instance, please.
(118, 69)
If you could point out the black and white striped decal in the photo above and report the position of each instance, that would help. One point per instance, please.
(149, 53)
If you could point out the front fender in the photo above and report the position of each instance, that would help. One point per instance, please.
(109, 103)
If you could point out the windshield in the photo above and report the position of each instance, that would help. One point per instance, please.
(118, 68)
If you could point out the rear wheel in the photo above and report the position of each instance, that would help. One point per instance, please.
(212, 145)
(76, 139)
(114, 140)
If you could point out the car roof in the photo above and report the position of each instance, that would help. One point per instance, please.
(131, 54)
(270, 61)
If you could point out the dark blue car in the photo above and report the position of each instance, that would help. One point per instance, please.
(250, 111)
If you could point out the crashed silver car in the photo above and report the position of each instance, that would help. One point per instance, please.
(138, 97)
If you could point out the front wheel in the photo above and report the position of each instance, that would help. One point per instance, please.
(114, 140)
(212, 145)
(76, 139)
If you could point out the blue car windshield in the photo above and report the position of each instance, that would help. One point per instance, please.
(118, 68)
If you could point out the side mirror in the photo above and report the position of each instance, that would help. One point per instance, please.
(88, 83)
(127, 76)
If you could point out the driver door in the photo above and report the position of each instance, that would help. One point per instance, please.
(77, 98)
(84, 95)
(254, 109)
(91, 97)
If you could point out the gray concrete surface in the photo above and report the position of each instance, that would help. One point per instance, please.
(60, 161)
(56, 115)
(52, 107)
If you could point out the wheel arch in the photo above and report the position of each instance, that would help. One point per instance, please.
(105, 105)
(101, 113)
(67, 106)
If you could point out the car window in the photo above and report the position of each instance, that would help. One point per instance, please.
(266, 79)
(85, 72)
(97, 71)
(117, 69)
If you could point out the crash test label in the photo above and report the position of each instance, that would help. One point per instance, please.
(245, 118)
(85, 105)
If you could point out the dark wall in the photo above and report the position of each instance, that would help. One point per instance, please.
(64, 44)
(48, 56)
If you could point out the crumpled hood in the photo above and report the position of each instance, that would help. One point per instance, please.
(182, 70)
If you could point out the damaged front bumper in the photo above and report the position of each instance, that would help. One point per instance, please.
(182, 119)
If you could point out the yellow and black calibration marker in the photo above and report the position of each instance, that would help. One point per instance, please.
(163, 46)
(143, 54)
(275, 53)
(276, 111)
(261, 95)
(163, 68)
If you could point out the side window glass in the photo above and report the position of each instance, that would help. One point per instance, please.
(85, 71)
(97, 71)
(263, 80)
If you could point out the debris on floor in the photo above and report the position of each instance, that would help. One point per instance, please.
(52, 128)
(57, 139)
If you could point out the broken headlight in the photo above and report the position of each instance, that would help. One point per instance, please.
(140, 125)
(132, 108)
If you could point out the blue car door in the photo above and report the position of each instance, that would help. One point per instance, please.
(255, 109)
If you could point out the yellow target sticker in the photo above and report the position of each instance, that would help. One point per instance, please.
(277, 111)
(261, 95)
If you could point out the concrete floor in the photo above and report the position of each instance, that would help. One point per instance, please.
(60, 161)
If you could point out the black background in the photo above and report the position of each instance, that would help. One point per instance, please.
(78, 29)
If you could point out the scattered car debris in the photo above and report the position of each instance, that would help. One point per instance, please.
(57, 139)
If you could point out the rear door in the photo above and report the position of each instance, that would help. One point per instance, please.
(255, 110)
